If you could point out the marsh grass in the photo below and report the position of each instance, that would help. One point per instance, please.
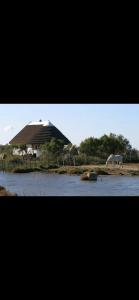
(21, 166)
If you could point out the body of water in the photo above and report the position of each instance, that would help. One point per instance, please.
(42, 184)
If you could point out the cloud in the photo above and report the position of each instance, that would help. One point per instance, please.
(8, 128)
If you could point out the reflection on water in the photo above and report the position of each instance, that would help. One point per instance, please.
(42, 184)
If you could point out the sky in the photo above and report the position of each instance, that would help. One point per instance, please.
(76, 121)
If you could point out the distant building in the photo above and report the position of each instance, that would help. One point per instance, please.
(35, 134)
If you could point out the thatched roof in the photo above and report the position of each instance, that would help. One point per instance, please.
(38, 133)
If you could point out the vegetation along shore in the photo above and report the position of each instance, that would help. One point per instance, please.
(91, 155)
(129, 169)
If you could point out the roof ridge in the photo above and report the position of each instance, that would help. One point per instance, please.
(40, 122)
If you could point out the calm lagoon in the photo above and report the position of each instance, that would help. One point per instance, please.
(43, 184)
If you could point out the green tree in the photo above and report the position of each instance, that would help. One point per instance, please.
(55, 146)
(8, 150)
(105, 145)
(53, 149)
(89, 146)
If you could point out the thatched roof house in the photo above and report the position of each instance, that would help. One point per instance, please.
(37, 133)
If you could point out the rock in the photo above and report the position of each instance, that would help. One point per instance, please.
(84, 176)
(4, 192)
(89, 176)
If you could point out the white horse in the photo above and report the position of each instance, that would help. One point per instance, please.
(115, 158)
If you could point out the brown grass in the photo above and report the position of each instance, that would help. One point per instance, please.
(127, 169)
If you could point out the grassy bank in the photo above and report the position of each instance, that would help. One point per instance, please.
(131, 169)
(127, 169)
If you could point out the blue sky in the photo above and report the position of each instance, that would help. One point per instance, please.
(76, 121)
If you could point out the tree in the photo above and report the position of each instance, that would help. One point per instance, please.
(53, 149)
(8, 150)
(105, 145)
(89, 146)
(55, 146)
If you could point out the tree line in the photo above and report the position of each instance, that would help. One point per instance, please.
(91, 150)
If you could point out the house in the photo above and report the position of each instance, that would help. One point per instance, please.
(35, 134)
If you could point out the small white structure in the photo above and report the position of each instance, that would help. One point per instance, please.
(30, 151)
(115, 159)
(34, 151)
(18, 151)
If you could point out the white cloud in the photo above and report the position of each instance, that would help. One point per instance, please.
(8, 128)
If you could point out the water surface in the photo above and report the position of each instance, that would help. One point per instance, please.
(43, 184)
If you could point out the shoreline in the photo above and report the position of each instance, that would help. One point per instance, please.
(126, 170)
(129, 169)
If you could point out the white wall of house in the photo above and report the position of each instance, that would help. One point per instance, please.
(30, 150)
(18, 152)
(37, 152)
